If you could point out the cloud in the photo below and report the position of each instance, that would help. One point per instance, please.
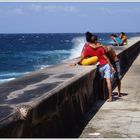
(106, 10)
(39, 8)
(36, 8)
(13, 11)
(111, 11)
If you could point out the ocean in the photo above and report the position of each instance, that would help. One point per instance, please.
(24, 53)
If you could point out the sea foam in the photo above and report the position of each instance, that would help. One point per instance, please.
(78, 43)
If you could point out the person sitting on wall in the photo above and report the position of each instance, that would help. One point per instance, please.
(123, 38)
(117, 40)
(104, 66)
(89, 58)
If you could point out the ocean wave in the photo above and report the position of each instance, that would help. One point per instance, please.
(6, 80)
(13, 74)
(78, 43)
(51, 52)
(67, 40)
(43, 66)
(5, 77)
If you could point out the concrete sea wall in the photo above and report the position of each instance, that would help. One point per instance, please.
(50, 102)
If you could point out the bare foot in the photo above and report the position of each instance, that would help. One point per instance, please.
(119, 95)
(109, 100)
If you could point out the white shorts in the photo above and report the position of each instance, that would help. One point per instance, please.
(105, 71)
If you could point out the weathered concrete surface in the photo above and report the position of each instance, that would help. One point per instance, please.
(49, 102)
(44, 103)
(121, 118)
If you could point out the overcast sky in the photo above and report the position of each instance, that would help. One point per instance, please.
(69, 17)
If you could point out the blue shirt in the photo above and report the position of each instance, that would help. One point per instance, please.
(119, 40)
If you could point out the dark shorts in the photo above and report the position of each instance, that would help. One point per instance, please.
(117, 74)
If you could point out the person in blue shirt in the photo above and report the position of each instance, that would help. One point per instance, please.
(117, 40)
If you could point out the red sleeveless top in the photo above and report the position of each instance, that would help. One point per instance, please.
(88, 51)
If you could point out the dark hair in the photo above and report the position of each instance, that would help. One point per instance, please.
(93, 39)
(88, 36)
(113, 35)
(122, 33)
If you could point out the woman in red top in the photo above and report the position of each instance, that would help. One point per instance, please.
(104, 66)
(90, 50)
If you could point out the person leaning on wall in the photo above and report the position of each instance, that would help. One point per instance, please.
(111, 54)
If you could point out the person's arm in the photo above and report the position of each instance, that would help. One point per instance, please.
(120, 36)
(78, 60)
(116, 42)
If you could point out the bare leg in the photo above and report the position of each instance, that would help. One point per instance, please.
(109, 87)
(104, 88)
(119, 88)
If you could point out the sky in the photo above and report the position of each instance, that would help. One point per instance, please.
(69, 17)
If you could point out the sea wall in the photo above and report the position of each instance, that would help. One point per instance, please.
(50, 102)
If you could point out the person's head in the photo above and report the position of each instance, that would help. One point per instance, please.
(113, 36)
(93, 39)
(122, 33)
(88, 36)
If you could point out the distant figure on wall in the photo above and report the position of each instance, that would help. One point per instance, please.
(123, 38)
(117, 40)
